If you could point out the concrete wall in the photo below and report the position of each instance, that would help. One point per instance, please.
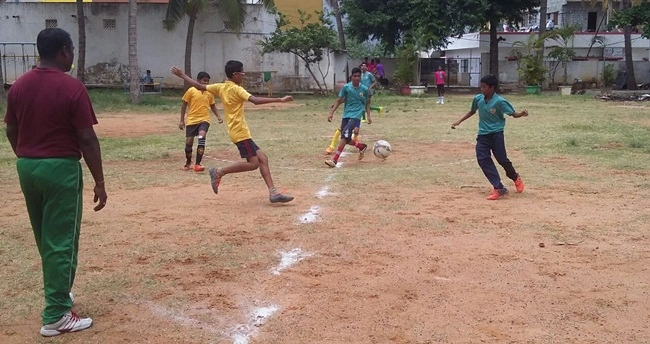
(158, 49)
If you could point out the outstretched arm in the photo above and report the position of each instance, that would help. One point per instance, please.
(216, 113)
(523, 113)
(176, 71)
(462, 119)
(265, 100)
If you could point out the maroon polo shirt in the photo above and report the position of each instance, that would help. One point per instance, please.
(48, 106)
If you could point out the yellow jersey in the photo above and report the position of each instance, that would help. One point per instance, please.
(233, 97)
(199, 106)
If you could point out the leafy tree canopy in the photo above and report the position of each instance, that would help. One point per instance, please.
(633, 16)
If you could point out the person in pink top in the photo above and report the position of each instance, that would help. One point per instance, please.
(371, 67)
(440, 77)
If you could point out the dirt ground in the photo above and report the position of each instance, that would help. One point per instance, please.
(563, 264)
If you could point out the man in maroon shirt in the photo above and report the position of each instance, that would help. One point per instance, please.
(50, 127)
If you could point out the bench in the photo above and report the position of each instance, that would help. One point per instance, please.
(152, 88)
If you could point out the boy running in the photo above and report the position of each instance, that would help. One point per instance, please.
(357, 101)
(368, 80)
(197, 121)
(491, 110)
(233, 96)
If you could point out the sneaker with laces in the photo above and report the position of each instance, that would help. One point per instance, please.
(215, 180)
(497, 194)
(362, 151)
(330, 163)
(381, 109)
(199, 168)
(329, 150)
(69, 322)
(280, 198)
(187, 167)
(519, 184)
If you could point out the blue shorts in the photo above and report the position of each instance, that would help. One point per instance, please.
(247, 148)
(347, 127)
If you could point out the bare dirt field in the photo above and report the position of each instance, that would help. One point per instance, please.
(363, 255)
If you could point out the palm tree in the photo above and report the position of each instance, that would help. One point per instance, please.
(81, 56)
(134, 77)
(232, 10)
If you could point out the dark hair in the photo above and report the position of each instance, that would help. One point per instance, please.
(355, 70)
(233, 67)
(50, 41)
(148, 71)
(363, 63)
(490, 80)
(372, 60)
(202, 75)
(377, 60)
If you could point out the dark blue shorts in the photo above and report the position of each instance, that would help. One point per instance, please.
(193, 130)
(347, 127)
(247, 148)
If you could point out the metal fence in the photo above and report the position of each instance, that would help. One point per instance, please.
(17, 59)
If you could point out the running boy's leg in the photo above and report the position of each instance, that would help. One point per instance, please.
(499, 151)
(274, 195)
(335, 140)
(200, 149)
(484, 159)
(189, 142)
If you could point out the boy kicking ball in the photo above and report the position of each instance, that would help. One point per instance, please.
(357, 101)
(492, 109)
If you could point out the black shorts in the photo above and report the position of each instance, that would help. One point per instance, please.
(441, 89)
(347, 127)
(193, 130)
(247, 148)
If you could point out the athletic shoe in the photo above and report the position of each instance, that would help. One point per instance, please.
(187, 168)
(199, 168)
(362, 151)
(330, 163)
(519, 184)
(364, 121)
(70, 322)
(215, 179)
(329, 150)
(381, 109)
(280, 198)
(442, 101)
(497, 193)
(439, 100)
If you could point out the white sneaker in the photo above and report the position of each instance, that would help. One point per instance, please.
(70, 322)
(438, 102)
(442, 101)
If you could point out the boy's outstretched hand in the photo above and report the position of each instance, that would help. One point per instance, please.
(454, 125)
(176, 71)
(524, 113)
(286, 99)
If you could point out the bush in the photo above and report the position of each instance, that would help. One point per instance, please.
(609, 75)
(406, 60)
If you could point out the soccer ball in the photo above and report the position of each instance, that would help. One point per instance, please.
(381, 149)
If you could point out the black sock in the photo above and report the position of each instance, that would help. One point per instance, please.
(200, 150)
(188, 155)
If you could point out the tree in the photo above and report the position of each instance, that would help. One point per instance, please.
(81, 55)
(134, 77)
(310, 42)
(543, 6)
(494, 12)
(637, 14)
(234, 11)
(562, 52)
(390, 22)
(339, 23)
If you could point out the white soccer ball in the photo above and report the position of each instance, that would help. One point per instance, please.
(381, 149)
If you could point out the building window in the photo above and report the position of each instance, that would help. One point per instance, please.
(109, 23)
(51, 23)
(464, 66)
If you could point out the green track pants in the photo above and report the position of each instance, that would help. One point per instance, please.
(53, 194)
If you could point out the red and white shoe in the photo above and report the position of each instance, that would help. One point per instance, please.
(70, 322)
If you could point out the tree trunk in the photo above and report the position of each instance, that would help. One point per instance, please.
(81, 55)
(133, 52)
(188, 46)
(629, 64)
(341, 32)
(2, 81)
(543, 6)
(314, 76)
(494, 48)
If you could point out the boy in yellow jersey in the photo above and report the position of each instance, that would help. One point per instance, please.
(197, 121)
(232, 97)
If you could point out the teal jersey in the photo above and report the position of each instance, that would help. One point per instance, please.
(491, 114)
(355, 100)
(367, 79)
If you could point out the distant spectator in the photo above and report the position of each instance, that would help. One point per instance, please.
(147, 78)
(550, 24)
(379, 67)
(372, 67)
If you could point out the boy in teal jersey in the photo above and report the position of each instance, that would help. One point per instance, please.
(357, 102)
(490, 140)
